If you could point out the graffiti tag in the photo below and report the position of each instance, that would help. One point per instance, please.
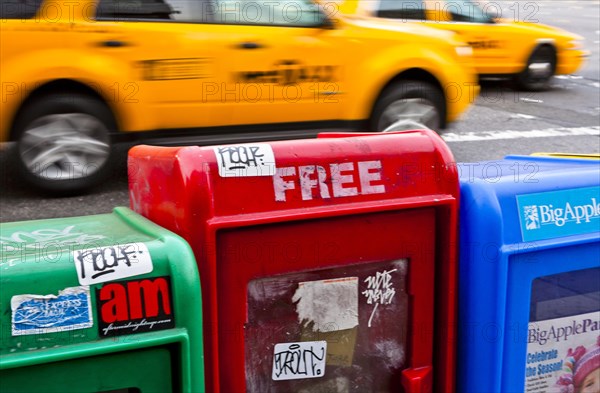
(96, 265)
(299, 360)
(379, 290)
(245, 160)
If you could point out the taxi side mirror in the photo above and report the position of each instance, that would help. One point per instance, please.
(492, 16)
(325, 22)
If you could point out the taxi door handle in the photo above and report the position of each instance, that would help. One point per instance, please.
(113, 43)
(249, 45)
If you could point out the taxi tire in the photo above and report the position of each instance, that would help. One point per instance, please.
(406, 90)
(527, 82)
(56, 104)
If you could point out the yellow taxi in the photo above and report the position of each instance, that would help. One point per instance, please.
(79, 75)
(531, 53)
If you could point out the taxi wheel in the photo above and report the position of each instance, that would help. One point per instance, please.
(63, 143)
(539, 71)
(412, 101)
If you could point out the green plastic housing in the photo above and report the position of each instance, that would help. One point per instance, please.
(131, 332)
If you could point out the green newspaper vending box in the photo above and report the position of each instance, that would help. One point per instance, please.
(105, 303)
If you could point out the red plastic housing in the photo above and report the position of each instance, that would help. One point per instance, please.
(341, 250)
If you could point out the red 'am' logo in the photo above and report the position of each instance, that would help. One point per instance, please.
(135, 306)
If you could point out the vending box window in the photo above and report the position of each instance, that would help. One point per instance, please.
(564, 332)
(530, 275)
(327, 265)
(104, 303)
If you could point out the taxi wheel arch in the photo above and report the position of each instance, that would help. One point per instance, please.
(541, 55)
(75, 153)
(417, 86)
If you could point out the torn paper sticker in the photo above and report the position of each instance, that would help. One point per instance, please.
(328, 305)
(71, 309)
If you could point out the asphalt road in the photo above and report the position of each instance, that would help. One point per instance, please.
(502, 122)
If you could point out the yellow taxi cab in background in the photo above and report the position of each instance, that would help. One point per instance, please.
(79, 75)
(531, 53)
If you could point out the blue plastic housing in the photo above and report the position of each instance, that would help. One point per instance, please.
(503, 203)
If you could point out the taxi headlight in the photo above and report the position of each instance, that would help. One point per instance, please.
(464, 51)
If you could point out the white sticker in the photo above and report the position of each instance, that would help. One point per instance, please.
(71, 309)
(102, 264)
(329, 304)
(245, 160)
(299, 360)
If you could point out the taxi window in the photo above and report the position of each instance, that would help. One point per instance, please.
(467, 11)
(156, 10)
(295, 13)
(401, 9)
(19, 9)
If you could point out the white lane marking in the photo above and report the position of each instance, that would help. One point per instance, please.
(496, 135)
(522, 116)
(569, 77)
(532, 100)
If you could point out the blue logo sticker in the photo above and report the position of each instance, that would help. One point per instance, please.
(35, 314)
(559, 213)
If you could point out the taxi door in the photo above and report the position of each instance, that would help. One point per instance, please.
(153, 54)
(473, 21)
(281, 63)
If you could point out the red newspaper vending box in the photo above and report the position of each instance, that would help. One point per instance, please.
(327, 265)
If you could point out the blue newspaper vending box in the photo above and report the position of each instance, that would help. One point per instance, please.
(529, 276)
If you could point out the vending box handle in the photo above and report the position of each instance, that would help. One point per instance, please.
(417, 380)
